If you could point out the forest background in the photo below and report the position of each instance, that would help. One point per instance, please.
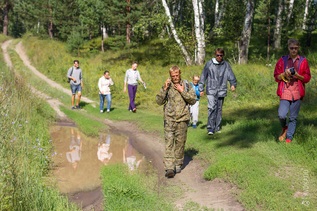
(111, 34)
(255, 30)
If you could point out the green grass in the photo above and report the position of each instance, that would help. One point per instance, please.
(125, 190)
(269, 175)
(25, 148)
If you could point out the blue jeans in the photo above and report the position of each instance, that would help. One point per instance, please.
(293, 108)
(102, 101)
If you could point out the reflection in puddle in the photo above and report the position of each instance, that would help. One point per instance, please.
(78, 158)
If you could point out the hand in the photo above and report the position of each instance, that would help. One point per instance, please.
(74, 79)
(179, 88)
(124, 89)
(233, 88)
(167, 83)
(201, 93)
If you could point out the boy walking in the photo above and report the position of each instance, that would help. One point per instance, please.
(194, 109)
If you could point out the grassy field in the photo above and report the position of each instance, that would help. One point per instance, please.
(270, 175)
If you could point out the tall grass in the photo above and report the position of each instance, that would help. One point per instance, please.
(25, 148)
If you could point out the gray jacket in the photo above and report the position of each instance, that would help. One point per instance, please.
(216, 75)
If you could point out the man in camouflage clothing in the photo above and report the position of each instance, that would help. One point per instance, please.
(175, 95)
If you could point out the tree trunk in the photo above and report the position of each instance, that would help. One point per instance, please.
(268, 31)
(290, 10)
(6, 18)
(199, 32)
(104, 36)
(305, 14)
(50, 29)
(188, 60)
(128, 26)
(278, 26)
(218, 13)
(246, 33)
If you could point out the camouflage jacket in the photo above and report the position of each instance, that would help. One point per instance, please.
(176, 104)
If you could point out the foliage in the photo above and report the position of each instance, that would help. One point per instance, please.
(75, 42)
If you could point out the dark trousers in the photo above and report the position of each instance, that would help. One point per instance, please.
(132, 93)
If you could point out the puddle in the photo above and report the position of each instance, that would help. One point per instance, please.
(78, 159)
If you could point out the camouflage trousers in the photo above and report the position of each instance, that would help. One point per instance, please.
(175, 138)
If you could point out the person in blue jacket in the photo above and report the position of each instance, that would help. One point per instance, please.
(194, 109)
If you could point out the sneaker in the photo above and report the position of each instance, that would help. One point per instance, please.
(210, 132)
(73, 108)
(134, 110)
(108, 110)
(78, 107)
(288, 140)
(169, 173)
(178, 169)
(194, 126)
(101, 111)
(283, 134)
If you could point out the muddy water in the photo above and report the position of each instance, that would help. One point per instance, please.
(78, 159)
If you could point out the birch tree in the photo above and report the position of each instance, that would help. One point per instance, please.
(200, 52)
(246, 33)
(218, 13)
(305, 14)
(290, 10)
(278, 25)
(186, 55)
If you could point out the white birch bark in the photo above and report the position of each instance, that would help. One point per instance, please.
(188, 60)
(219, 10)
(246, 33)
(278, 26)
(199, 32)
(104, 36)
(290, 10)
(305, 14)
(216, 14)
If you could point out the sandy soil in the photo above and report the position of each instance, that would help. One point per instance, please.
(216, 194)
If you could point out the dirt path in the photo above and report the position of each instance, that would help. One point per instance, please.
(215, 194)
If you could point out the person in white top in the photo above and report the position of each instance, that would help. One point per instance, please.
(104, 84)
(132, 76)
(103, 153)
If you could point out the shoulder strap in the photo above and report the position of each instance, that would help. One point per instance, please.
(186, 85)
(71, 72)
(285, 58)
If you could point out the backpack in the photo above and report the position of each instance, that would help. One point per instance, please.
(71, 73)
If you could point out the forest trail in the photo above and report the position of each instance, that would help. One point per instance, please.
(215, 195)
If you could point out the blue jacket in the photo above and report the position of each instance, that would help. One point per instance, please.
(197, 92)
